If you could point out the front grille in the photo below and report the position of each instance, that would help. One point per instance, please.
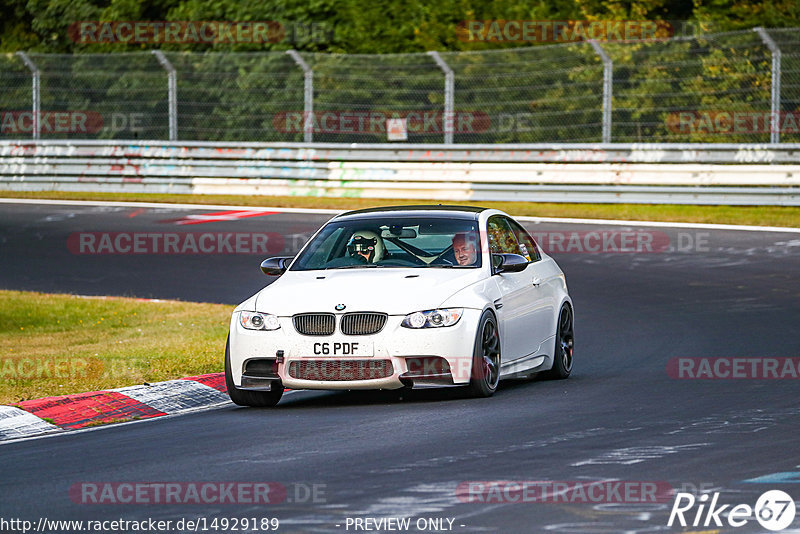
(362, 323)
(315, 324)
(339, 370)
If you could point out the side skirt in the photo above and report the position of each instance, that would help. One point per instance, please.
(532, 363)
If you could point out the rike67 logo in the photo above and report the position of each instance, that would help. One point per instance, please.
(774, 510)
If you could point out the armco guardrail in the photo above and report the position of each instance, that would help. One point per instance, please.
(687, 174)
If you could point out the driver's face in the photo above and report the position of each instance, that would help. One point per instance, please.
(465, 252)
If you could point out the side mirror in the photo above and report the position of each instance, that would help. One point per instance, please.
(275, 266)
(509, 263)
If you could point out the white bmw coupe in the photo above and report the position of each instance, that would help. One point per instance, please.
(409, 296)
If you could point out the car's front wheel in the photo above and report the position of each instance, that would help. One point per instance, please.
(485, 358)
(243, 397)
(562, 358)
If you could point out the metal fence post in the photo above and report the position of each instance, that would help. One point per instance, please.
(36, 92)
(308, 96)
(449, 89)
(608, 88)
(775, 92)
(172, 78)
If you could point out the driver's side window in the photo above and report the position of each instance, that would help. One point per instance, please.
(501, 237)
(527, 245)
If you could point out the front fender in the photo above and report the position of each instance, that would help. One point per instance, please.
(478, 296)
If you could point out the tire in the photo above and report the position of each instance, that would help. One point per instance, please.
(485, 358)
(562, 357)
(243, 397)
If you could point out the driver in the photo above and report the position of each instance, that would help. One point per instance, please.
(366, 244)
(464, 248)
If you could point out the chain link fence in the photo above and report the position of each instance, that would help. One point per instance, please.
(735, 87)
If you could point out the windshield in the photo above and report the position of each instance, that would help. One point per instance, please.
(393, 242)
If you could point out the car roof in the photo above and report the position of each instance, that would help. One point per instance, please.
(440, 210)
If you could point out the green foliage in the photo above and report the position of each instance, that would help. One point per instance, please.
(358, 26)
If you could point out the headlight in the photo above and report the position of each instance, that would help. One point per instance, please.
(433, 318)
(258, 321)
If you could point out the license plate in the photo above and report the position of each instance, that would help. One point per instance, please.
(338, 348)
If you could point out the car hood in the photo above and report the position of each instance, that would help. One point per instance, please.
(392, 291)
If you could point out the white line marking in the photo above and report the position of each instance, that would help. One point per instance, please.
(563, 220)
(104, 203)
(663, 224)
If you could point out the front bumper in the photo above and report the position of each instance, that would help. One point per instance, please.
(409, 351)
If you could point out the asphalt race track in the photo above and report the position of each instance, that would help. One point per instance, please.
(620, 417)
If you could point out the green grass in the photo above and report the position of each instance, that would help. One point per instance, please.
(750, 215)
(60, 344)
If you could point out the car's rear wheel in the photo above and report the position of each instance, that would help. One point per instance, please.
(562, 359)
(243, 397)
(485, 358)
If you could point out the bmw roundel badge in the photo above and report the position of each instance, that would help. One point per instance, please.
(339, 307)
